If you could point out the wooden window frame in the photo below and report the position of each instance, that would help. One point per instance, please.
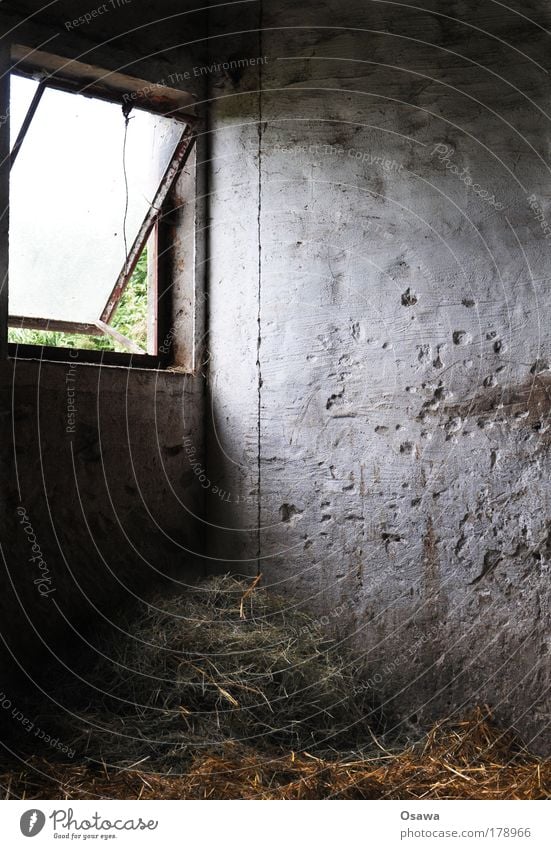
(77, 77)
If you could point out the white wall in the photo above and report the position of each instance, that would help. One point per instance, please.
(394, 443)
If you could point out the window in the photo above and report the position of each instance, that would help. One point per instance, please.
(94, 157)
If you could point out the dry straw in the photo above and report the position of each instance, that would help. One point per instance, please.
(470, 759)
(226, 660)
(228, 692)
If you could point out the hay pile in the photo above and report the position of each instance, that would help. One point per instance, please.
(224, 661)
(470, 759)
(228, 692)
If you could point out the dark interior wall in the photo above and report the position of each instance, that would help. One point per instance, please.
(156, 39)
(108, 498)
(96, 504)
(380, 377)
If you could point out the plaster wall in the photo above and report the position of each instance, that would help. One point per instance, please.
(379, 339)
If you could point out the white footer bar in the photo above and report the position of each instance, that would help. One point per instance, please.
(277, 825)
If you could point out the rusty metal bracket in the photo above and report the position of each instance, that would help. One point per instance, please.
(178, 161)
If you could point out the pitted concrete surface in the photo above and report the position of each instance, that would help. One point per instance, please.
(379, 340)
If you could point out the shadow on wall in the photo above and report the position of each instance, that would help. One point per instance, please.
(97, 500)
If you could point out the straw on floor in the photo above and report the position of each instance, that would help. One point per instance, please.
(224, 660)
(226, 691)
(468, 759)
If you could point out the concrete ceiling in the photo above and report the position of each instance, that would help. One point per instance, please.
(144, 19)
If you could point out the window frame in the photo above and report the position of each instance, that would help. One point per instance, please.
(76, 77)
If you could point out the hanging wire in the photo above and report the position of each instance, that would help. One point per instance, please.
(126, 113)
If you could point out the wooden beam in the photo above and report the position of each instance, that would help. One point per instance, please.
(79, 77)
(49, 353)
(32, 323)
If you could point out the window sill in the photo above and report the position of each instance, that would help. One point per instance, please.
(88, 357)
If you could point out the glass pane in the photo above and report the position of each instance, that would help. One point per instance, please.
(130, 319)
(69, 202)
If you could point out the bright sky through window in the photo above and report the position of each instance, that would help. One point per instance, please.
(79, 193)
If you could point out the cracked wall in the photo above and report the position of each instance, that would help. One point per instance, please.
(379, 341)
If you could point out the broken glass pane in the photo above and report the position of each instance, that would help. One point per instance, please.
(80, 189)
